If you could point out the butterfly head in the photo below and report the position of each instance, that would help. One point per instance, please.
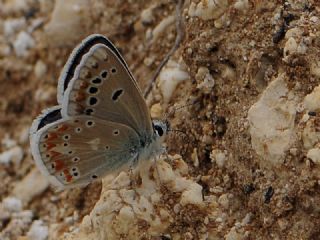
(160, 128)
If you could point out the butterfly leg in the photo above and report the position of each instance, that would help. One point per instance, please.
(132, 175)
(163, 151)
(155, 166)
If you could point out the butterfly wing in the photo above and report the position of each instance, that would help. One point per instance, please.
(77, 150)
(75, 58)
(98, 83)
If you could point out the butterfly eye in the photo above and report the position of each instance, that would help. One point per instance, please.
(159, 130)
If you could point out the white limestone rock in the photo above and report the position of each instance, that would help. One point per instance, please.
(38, 231)
(205, 80)
(171, 75)
(67, 22)
(193, 195)
(147, 15)
(271, 121)
(208, 9)
(314, 155)
(31, 186)
(23, 43)
(312, 101)
(242, 5)
(160, 28)
(14, 155)
(296, 44)
(219, 157)
(310, 134)
(11, 26)
(235, 234)
(12, 204)
(136, 211)
(40, 69)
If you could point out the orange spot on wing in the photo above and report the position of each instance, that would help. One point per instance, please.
(50, 145)
(80, 97)
(84, 85)
(67, 175)
(69, 178)
(52, 136)
(59, 165)
(54, 154)
(62, 128)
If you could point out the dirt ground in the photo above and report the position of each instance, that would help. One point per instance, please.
(243, 49)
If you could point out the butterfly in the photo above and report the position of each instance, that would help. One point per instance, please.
(101, 124)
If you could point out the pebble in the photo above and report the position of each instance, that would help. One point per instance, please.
(30, 186)
(40, 69)
(219, 157)
(147, 16)
(314, 155)
(23, 43)
(12, 204)
(14, 155)
(170, 77)
(38, 231)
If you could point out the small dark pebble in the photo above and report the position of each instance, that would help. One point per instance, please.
(268, 195)
(248, 188)
(311, 113)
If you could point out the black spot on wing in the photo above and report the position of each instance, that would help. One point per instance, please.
(117, 94)
(104, 74)
(93, 90)
(93, 101)
(50, 117)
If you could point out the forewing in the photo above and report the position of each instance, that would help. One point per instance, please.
(78, 150)
(102, 86)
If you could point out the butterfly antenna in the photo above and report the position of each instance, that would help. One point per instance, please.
(175, 109)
